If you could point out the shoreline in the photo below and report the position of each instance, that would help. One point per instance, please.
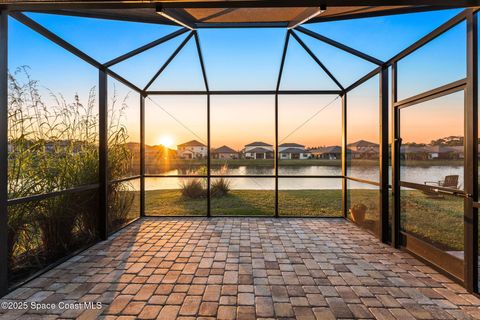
(181, 164)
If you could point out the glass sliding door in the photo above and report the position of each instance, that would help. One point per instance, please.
(432, 194)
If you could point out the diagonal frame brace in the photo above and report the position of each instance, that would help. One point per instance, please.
(202, 63)
(314, 57)
(282, 63)
(145, 47)
(169, 60)
(35, 26)
(340, 46)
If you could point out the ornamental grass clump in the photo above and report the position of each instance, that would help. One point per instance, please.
(54, 147)
(221, 186)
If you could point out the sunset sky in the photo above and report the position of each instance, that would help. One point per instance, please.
(248, 59)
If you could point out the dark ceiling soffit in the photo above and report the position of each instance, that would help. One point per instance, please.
(310, 3)
(212, 25)
(205, 25)
(87, 9)
(101, 15)
(180, 15)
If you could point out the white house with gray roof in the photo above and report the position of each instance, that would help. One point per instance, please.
(289, 151)
(258, 150)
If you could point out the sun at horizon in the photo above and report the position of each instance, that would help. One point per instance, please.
(166, 141)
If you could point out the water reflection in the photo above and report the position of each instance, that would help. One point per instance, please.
(410, 174)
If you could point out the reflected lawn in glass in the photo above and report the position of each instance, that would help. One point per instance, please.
(435, 219)
(368, 199)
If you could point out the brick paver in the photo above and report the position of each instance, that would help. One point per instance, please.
(245, 268)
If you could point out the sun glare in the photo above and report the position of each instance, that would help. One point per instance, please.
(166, 141)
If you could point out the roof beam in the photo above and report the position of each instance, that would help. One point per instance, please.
(70, 48)
(430, 36)
(176, 17)
(364, 79)
(307, 15)
(340, 46)
(169, 60)
(314, 57)
(379, 13)
(35, 26)
(146, 47)
(202, 63)
(282, 63)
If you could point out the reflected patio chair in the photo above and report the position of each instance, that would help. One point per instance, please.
(450, 181)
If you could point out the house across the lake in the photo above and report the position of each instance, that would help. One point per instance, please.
(289, 151)
(192, 150)
(327, 153)
(258, 150)
(363, 149)
(429, 152)
(225, 152)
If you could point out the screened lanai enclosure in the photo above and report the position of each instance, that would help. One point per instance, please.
(237, 109)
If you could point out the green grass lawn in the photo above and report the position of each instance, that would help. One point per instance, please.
(436, 220)
(248, 203)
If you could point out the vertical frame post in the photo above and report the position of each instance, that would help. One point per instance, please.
(142, 155)
(383, 152)
(396, 240)
(209, 146)
(275, 159)
(344, 156)
(209, 154)
(103, 154)
(276, 154)
(3, 153)
(471, 157)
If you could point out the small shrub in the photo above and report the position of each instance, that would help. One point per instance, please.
(193, 188)
(220, 187)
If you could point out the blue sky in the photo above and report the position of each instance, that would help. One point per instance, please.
(235, 58)
(240, 59)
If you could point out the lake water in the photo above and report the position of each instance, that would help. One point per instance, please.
(417, 174)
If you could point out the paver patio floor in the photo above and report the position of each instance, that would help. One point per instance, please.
(246, 268)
